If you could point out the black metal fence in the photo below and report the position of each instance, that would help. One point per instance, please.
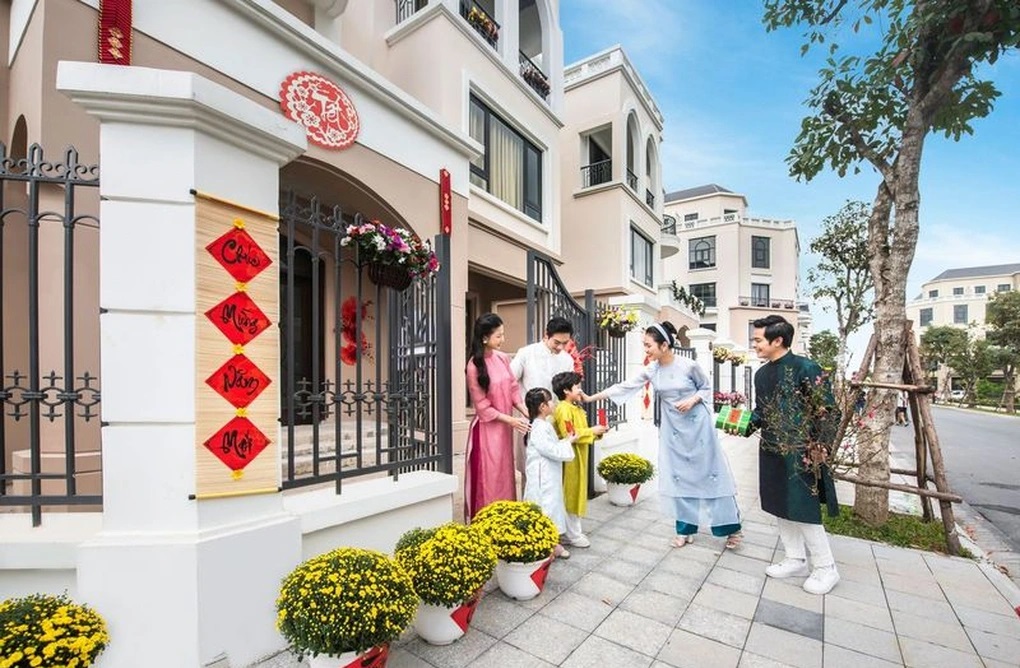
(379, 402)
(606, 365)
(596, 173)
(407, 8)
(481, 20)
(68, 396)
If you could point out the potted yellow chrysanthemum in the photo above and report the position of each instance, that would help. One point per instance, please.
(624, 474)
(448, 566)
(523, 538)
(45, 630)
(345, 605)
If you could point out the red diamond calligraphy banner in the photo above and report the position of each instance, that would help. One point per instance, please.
(237, 443)
(239, 318)
(237, 349)
(238, 381)
(238, 253)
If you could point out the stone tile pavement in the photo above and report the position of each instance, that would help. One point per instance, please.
(632, 600)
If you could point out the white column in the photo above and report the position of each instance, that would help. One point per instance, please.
(700, 339)
(179, 581)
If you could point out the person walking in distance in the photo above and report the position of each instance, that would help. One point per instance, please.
(534, 365)
(786, 387)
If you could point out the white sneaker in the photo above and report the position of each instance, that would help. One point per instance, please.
(822, 580)
(788, 568)
(580, 541)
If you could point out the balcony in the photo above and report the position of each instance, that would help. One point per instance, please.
(596, 173)
(407, 8)
(481, 21)
(534, 76)
(631, 179)
(774, 304)
(669, 243)
(650, 199)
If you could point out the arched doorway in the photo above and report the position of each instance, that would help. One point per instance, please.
(362, 388)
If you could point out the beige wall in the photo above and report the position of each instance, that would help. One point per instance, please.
(358, 178)
(597, 220)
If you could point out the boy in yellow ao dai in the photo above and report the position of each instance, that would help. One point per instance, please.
(569, 418)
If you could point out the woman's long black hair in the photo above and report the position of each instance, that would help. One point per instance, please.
(485, 325)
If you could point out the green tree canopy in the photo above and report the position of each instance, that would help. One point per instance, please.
(1003, 319)
(841, 279)
(917, 68)
(824, 348)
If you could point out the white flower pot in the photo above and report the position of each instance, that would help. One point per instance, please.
(440, 624)
(522, 581)
(621, 494)
(372, 658)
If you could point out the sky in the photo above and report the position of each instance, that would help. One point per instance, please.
(732, 97)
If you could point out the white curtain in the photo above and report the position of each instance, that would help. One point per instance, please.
(506, 164)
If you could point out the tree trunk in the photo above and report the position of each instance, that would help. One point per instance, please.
(892, 252)
(1009, 390)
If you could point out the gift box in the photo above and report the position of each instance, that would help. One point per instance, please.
(734, 420)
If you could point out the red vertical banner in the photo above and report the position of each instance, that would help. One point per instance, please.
(115, 32)
(445, 202)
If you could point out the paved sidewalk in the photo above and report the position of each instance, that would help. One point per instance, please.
(632, 600)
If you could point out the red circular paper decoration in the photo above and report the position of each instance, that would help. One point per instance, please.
(318, 105)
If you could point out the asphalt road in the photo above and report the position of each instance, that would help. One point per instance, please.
(982, 455)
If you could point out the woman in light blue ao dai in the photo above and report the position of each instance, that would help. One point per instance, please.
(694, 476)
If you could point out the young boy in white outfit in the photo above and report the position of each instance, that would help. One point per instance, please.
(544, 462)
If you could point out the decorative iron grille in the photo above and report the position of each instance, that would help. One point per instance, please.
(383, 404)
(68, 397)
(548, 297)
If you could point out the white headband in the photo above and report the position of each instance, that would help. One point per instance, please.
(665, 334)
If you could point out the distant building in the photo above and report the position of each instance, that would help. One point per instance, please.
(957, 297)
(742, 268)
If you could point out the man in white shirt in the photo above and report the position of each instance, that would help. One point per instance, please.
(534, 365)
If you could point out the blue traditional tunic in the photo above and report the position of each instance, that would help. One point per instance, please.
(693, 472)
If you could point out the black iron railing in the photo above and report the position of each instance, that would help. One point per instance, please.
(650, 198)
(631, 179)
(606, 356)
(534, 76)
(481, 21)
(407, 8)
(766, 302)
(668, 224)
(36, 469)
(383, 403)
(596, 173)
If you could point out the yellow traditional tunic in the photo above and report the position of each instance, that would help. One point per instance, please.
(575, 473)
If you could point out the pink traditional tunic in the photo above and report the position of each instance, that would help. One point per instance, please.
(489, 458)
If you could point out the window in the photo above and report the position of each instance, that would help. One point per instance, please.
(957, 292)
(760, 252)
(932, 294)
(690, 217)
(960, 314)
(511, 167)
(925, 317)
(760, 294)
(1002, 287)
(979, 289)
(708, 325)
(641, 257)
(702, 253)
(705, 292)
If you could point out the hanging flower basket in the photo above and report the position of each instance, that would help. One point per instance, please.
(389, 275)
(616, 332)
